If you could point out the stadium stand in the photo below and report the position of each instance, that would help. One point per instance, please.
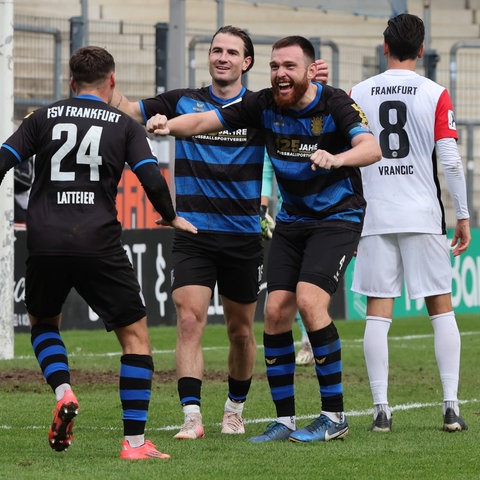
(127, 29)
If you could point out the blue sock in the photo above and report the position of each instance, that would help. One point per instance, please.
(51, 354)
(136, 373)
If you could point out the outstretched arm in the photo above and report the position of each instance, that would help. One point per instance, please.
(179, 223)
(157, 191)
(185, 125)
(122, 103)
(365, 151)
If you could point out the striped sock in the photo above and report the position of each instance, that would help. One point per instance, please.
(51, 354)
(136, 373)
(328, 366)
(280, 365)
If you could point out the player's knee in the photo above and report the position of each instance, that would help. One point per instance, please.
(190, 324)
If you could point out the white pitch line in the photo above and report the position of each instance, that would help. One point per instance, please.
(206, 349)
(351, 413)
(115, 354)
(406, 337)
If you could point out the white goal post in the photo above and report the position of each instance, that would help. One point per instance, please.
(6, 189)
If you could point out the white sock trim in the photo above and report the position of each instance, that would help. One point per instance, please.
(190, 409)
(135, 440)
(378, 319)
(61, 389)
(231, 406)
(289, 422)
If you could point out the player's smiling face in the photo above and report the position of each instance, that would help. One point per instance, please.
(226, 58)
(289, 75)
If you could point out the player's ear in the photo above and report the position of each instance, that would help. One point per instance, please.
(246, 64)
(312, 71)
(73, 85)
(421, 51)
(112, 80)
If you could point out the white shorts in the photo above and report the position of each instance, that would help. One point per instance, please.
(384, 261)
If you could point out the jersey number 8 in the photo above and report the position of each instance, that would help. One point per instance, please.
(393, 138)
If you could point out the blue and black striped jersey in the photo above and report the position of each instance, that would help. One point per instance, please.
(329, 123)
(218, 176)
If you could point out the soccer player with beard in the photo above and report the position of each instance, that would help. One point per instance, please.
(316, 137)
(217, 185)
(305, 355)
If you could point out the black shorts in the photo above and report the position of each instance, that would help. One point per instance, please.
(317, 254)
(108, 285)
(234, 262)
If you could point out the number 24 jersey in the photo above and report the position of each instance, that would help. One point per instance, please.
(81, 147)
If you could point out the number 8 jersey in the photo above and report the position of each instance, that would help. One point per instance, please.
(408, 113)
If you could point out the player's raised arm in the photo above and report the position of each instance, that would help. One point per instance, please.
(156, 188)
(122, 103)
(179, 223)
(185, 125)
(322, 71)
(365, 151)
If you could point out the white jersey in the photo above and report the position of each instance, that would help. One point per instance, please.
(407, 113)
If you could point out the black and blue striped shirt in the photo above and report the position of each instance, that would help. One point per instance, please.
(218, 176)
(329, 123)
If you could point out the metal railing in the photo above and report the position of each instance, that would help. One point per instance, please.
(41, 72)
(56, 67)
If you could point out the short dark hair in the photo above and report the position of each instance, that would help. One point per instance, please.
(91, 64)
(404, 36)
(248, 50)
(297, 40)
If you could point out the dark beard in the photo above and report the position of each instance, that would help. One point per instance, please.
(299, 90)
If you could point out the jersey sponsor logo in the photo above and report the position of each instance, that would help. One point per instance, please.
(317, 125)
(199, 107)
(278, 122)
(360, 112)
(451, 120)
(293, 147)
(396, 170)
(394, 90)
(239, 135)
(77, 198)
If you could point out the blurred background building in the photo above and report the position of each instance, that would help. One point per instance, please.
(163, 44)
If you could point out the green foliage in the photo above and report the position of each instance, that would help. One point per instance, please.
(415, 449)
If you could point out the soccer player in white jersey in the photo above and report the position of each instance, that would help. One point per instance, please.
(404, 234)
